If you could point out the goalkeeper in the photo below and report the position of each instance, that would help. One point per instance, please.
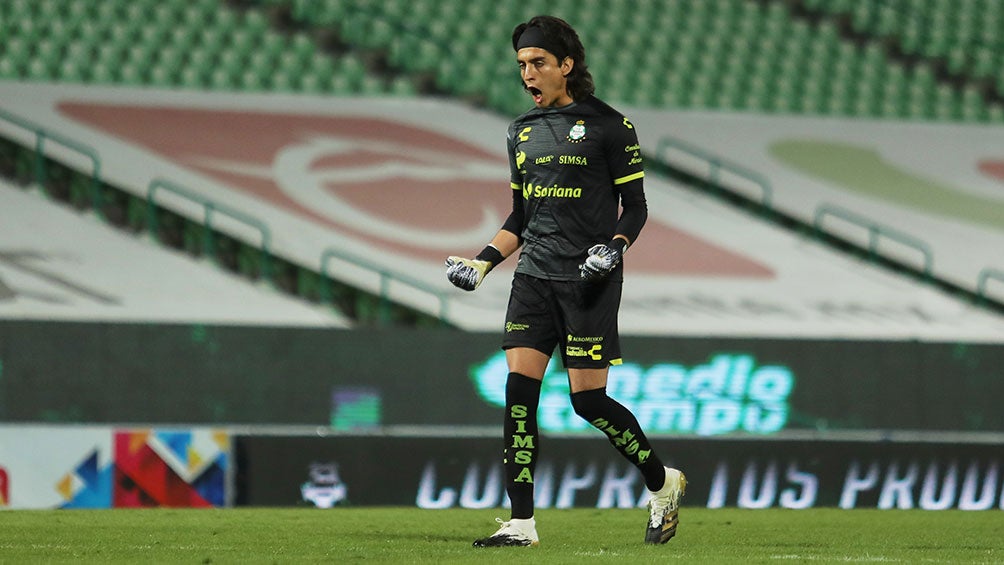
(574, 163)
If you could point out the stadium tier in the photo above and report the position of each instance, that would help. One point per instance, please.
(57, 264)
(757, 60)
(767, 56)
(963, 36)
(336, 182)
(925, 195)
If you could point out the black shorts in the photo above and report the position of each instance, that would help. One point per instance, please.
(579, 317)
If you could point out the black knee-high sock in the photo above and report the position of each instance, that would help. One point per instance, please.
(623, 431)
(522, 395)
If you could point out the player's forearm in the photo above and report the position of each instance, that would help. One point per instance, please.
(506, 242)
(634, 214)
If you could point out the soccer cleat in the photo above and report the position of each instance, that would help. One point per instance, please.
(664, 508)
(515, 533)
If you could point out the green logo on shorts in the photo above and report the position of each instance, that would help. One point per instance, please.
(594, 352)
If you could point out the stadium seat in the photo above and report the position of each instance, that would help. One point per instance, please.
(715, 54)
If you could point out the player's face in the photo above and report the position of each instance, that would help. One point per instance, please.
(544, 77)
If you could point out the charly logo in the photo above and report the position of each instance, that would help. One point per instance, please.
(595, 352)
(578, 132)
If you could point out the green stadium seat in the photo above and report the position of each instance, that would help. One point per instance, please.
(100, 73)
(727, 54)
(283, 81)
(313, 84)
(225, 21)
(231, 61)
(241, 41)
(261, 62)
(192, 77)
(39, 70)
(995, 113)
(973, 107)
(321, 66)
(292, 61)
(341, 85)
(372, 86)
(252, 81)
(199, 60)
(162, 76)
(9, 69)
(210, 38)
(271, 43)
(402, 86)
(352, 69)
(131, 74)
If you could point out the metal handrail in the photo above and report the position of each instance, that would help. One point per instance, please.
(210, 208)
(875, 231)
(717, 164)
(386, 276)
(984, 278)
(41, 134)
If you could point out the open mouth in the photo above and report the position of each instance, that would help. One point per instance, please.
(535, 93)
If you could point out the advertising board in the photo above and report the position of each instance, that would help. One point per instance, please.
(438, 473)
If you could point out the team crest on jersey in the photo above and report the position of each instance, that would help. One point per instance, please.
(578, 132)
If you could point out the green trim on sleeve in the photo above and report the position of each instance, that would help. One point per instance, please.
(630, 178)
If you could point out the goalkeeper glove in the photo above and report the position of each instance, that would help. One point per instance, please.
(602, 259)
(468, 273)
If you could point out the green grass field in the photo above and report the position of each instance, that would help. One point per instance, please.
(410, 535)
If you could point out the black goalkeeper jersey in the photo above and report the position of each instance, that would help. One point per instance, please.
(569, 162)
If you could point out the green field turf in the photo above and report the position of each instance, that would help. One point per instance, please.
(410, 535)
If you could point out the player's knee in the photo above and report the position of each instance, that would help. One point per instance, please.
(589, 404)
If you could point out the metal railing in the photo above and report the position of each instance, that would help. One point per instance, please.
(210, 209)
(386, 277)
(875, 232)
(983, 280)
(717, 164)
(41, 135)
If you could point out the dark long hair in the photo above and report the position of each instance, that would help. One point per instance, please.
(580, 81)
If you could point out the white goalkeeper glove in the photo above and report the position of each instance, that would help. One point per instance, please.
(602, 259)
(468, 273)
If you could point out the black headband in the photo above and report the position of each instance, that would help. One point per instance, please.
(535, 37)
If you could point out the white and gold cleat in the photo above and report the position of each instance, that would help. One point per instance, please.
(664, 508)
